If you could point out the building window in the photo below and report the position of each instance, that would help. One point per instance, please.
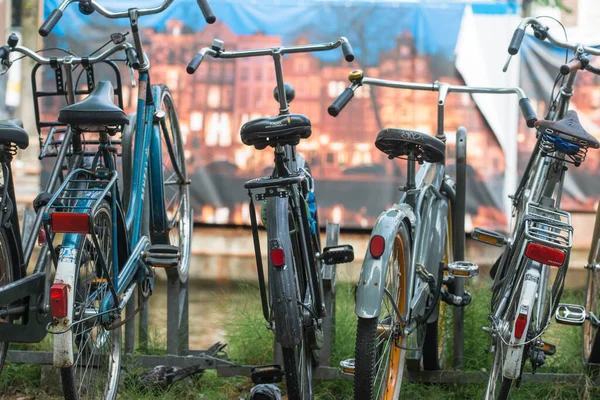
(218, 132)
(172, 78)
(214, 97)
(244, 73)
(196, 121)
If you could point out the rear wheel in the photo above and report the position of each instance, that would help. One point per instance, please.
(97, 364)
(176, 187)
(380, 360)
(7, 275)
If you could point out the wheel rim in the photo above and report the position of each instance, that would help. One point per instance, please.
(390, 363)
(176, 193)
(591, 304)
(97, 351)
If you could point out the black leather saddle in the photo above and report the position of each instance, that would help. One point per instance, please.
(570, 129)
(11, 131)
(282, 130)
(96, 111)
(400, 142)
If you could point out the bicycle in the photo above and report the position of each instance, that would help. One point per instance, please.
(295, 308)
(523, 296)
(104, 255)
(24, 299)
(409, 267)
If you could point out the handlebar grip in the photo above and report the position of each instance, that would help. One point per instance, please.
(339, 103)
(347, 50)
(132, 58)
(571, 66)
(515, 42)
(49, 24)
(528, 112)
(195, 63)
(207, 11)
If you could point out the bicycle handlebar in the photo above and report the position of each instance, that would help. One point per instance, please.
(72, 60)
(357, 79)
(217, 51)
(56, 14)
(207, 11)
(542, 32)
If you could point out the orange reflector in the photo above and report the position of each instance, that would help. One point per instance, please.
(545, 255)
(63, 222)
(460, 272)
(277, 257)
(58, 300)
(377, 246)
(489, 239)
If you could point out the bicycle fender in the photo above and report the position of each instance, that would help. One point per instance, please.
(282, 280)
(370, 290)
(65, 274)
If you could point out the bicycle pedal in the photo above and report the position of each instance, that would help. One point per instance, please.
(266, 374)
(162, 256)
(347, 367)
(570, 314)
(547, 348)
(488, 237)
(462, 269)
(338, 254)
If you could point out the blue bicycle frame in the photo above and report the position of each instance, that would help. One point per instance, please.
(147, 142)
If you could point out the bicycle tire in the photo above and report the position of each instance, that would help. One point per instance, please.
(504, 389)
(371, 382)
(591, 335)
(91, 338)
(7, 275)
(431, 360)
(284, 283)
(174, 167)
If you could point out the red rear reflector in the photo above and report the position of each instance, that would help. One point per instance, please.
(277, 257)
(377, 246)
(545, 255)
(520, 324)
(58, 300)
(63, 222)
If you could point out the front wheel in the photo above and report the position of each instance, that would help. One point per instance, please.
(97, 364)
(380, 359)
(591, 335)
(175, 181)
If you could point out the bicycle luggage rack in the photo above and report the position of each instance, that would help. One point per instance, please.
(548, 226)
(51, 132)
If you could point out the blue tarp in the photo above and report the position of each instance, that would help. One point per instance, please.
(434, 25)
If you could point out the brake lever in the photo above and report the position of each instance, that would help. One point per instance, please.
(132, 77)
(505, 68)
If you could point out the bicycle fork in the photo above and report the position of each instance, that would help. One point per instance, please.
(513, 360)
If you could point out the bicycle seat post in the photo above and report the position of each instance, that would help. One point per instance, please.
(411, 171)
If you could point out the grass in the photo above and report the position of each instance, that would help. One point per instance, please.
(249, 342)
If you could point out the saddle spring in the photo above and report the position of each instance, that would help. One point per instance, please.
(574, 154)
